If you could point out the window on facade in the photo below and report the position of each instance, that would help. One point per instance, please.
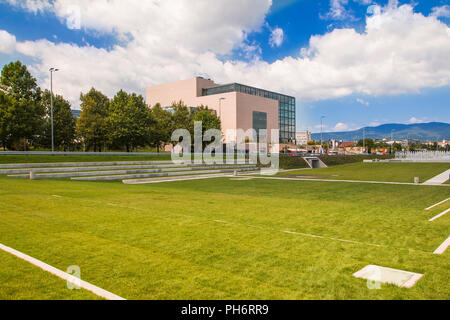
(259, 123)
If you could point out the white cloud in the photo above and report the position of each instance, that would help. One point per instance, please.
(399, 51)
(276, 37)
(415, 120)
(338, 10)
(443, 11)
(363, 102)
(340, 127)
(7, 42)
(34, 6)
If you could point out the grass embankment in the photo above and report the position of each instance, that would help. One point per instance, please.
(391, 172)
(222, 239)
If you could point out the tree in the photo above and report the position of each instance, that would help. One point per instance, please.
(369, 144)
(91, 125)
(162, 132)
(130, 121)
(63, 122)
(182, 116)
(209, 120)
(22, 115)
(5, 103)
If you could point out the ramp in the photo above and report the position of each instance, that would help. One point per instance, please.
(315, 162)
(439, 179)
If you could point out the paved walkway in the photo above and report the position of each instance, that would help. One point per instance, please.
(439, 179)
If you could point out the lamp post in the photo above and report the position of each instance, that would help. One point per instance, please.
(51, 104)
(321, 133)
(393, 142)
(220, 107)
(364, 140)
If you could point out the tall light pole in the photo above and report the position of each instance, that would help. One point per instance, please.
(393, 142)
(321, 133)
(364, 139)
(51, 104)
(220, 107)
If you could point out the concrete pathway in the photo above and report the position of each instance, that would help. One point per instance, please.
(348, 181)
(439, 179)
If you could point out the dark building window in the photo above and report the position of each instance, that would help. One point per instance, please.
(259, 123)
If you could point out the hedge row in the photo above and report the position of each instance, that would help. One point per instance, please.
(288, 162)
(336, 160)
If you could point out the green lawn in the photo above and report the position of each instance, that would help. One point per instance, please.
(222, 239)
(21, 280)
(392, 172)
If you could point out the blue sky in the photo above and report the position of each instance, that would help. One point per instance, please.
(345, 103)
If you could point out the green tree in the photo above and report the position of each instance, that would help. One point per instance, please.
(22, 115)
(182, 116)
(162, 132)
(5, 104)
(91, 125)
(369, 144)
(130, 122)
(209, 120)
(63, 122)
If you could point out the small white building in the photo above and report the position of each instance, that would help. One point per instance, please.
(303, 137)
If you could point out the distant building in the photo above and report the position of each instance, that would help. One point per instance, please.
(303, 137)
(76, 113)
(348, 145)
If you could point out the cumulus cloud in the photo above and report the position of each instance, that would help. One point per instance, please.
(7, 42)
(338, 10)
(276, 37)
(414, 120)
(341, 127)
(363, 102)
(34, 6)
(443, 11)
(399, 51)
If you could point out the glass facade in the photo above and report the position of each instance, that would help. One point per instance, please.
(259, 123)
(286, 106)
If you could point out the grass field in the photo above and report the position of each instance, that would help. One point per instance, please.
(222, 239)
(391, 172)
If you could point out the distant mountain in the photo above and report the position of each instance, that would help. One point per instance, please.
(420, 131)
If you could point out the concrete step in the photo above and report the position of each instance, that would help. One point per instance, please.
(121, 172)
(98, 168)
(162, 174)
(180, 178)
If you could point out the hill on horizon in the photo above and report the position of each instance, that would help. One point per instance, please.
(431, 131)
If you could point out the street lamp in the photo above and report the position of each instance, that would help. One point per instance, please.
(51, 104)
(393, 142)
(321, 133)
(220, 107)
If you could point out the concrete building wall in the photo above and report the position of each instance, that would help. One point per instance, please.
(226, 111)
(247, 103)
(186, 90)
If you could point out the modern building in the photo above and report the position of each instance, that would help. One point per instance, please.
(76, 113)
(238, 106)
(303, 137)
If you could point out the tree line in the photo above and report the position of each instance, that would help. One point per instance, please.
(123, 123)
